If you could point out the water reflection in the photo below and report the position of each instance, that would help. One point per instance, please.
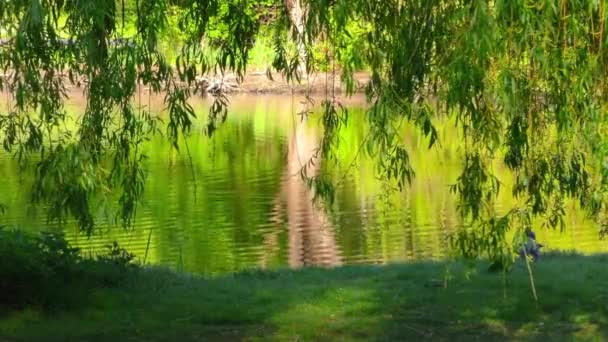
(312, 238)
(242, 204)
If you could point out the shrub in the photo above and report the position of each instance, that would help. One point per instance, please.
(44, 270)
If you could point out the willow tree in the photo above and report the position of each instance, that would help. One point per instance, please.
(524, 80)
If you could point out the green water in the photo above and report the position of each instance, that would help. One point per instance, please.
(241, 203)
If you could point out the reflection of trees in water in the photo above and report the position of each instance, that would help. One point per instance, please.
(311, 237)
(235, 218)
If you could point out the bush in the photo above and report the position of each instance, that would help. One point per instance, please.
(43, 270)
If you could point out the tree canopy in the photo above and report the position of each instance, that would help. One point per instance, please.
(524, 81)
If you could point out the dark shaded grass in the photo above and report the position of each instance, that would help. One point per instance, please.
(394, 302)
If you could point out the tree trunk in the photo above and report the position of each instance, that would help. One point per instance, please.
(297, 15)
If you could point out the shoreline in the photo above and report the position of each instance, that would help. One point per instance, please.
(257, 82)
(260, 83)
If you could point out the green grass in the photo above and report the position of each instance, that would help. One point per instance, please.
(395, 302)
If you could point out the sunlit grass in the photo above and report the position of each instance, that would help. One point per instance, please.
(393, 302)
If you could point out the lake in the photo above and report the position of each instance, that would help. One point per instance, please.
(239, 202)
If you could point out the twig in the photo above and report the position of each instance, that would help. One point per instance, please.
(147, 246)
(531, 276)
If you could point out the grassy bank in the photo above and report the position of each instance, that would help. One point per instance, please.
(392, 302)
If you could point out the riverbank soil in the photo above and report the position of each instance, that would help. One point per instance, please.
(317, 84)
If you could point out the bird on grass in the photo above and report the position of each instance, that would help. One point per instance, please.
(530, 247)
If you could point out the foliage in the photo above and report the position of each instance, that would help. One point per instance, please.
(509, 72)
(37, 269)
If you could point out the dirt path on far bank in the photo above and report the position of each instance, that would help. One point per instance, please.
(260, 83)
(257, 82)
